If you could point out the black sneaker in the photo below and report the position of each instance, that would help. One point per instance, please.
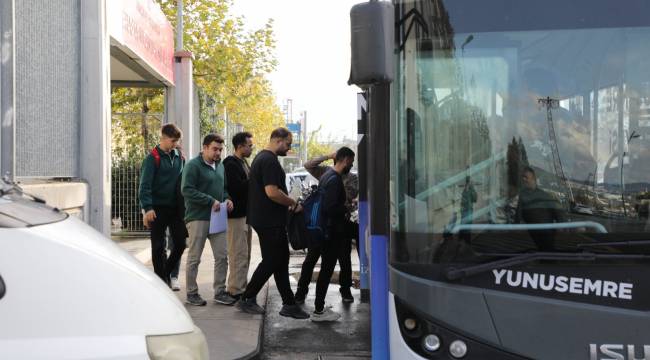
(250, 306)
(300, 298)
(293, 311)
(224, 298)
(346, 295)
(236, 297)
(195, 299)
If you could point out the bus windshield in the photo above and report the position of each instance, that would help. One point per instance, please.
(520, 128)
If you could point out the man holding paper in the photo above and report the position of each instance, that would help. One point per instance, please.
(204, 190)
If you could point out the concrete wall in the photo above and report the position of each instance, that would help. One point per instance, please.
(48, 44)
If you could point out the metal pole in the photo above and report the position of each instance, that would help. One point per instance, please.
(179, 25)
(7, 90)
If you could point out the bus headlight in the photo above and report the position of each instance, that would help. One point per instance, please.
(431, 343)
(458, 349)
(191, 346)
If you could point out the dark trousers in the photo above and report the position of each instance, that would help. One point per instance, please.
(351, 231)
(176, 268)
(166, 217)
(275, 261)
(329, 252)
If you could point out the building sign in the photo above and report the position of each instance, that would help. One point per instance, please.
(295, 132)
(141, 30)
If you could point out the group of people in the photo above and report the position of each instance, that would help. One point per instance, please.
(180, 196)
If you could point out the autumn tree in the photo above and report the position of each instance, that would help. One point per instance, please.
(230, 64)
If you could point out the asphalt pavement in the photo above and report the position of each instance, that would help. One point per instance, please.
(232, 334)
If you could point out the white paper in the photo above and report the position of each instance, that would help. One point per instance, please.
(219, 220)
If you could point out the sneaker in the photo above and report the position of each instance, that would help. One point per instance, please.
(236, 297)
(195, 299)
(326, 315)
(299, 298)
(175, 284)
(224, 298)
(250, 306)
(293, 311)
(346, 295)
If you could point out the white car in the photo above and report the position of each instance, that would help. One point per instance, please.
(68, 292)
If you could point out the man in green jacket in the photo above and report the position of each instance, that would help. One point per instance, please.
(159, 177)
(204, 189)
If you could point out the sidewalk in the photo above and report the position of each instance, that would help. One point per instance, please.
(230, 333)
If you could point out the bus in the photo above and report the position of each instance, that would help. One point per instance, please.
(507, 174)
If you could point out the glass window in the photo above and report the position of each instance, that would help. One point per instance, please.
(533, 138)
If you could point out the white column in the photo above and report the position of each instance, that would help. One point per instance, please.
(183, 103)
(95, 113)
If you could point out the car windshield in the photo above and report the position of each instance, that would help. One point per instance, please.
(18, 209)
(520, 128)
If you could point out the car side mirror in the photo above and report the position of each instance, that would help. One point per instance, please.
(372, 37)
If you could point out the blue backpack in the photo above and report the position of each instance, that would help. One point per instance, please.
(315, 222)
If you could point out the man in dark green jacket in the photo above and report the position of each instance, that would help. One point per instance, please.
(159, 177)
(204, 189)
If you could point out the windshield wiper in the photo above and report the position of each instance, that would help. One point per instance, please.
(615, 243)
(455, 274)
(10, 187)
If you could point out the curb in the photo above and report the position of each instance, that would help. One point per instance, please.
(255, 354)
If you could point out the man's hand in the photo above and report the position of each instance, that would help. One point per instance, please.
(297, 208)
(148, 218)
(332, 156)
(229, 205)
(216, 206)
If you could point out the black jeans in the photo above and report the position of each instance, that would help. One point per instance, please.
(166, 216)
(328, 252)
(275, 261)
(351, 231)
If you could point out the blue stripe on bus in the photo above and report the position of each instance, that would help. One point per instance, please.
(379, 297)
(361, 248)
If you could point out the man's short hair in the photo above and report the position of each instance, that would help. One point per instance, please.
(528, 169)
(240, 139)
(210, 138)
(342, 153)
(280, 133)
(171, 131)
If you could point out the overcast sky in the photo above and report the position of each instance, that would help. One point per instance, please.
(313, 51)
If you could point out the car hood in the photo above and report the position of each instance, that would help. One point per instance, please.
(66, 279)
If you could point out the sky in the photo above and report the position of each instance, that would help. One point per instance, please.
(313, 53)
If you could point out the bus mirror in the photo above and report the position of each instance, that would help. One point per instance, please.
(372, 30)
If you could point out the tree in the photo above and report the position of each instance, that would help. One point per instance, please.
(134, 130)
(230, 64)
(316, 148)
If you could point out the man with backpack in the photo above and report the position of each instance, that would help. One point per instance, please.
(267, 214)
(327, 247)
(239, 233)
(351, 229)
(160, 202)
(204, 189)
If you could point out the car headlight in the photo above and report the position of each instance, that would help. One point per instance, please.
(190, 346)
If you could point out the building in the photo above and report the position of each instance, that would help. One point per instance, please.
(60, 59)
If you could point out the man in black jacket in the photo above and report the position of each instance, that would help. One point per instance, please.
(239, 233)
(334, 211)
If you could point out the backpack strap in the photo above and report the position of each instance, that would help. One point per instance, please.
(156, 156)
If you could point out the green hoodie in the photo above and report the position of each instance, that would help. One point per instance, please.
(201, 186)
(158, 185)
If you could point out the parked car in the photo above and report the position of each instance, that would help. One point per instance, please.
(68, 292)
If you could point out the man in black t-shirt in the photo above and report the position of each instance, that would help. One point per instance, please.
(267, 214)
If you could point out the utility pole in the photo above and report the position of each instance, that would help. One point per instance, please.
(7, 91)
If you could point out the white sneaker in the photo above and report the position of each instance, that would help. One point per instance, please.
(176, 286)
(326, 315)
